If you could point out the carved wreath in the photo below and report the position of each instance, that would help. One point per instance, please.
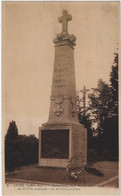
(58, 106)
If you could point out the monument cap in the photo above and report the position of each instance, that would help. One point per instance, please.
(64, 35)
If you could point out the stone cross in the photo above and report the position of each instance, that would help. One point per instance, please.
(84, 91)
(64, 20)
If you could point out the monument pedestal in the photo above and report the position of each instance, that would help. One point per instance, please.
(62, 137)
(61, 141)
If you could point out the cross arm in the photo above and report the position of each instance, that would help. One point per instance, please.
(60, 19)
(69, 17)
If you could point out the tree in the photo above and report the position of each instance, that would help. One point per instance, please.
(111, 124)
(12, 132)
(114, 86)
(10, 146)
(99, 104)
(19, 149)
(85, 120)
(104, 109)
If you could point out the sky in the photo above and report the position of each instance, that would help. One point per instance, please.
(28, 30)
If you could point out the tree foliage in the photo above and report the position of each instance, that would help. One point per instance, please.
(100, 104)
(104, 109)
(28, 146)
(114, 87)
(85, 120)
(19, 149)
(12, 132)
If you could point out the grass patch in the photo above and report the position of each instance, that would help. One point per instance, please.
(93, 175)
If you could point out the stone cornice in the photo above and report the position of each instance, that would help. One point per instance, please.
(65, 38)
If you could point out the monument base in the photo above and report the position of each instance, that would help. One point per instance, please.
(58, 142)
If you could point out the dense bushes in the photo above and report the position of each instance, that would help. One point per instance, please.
(19, 149)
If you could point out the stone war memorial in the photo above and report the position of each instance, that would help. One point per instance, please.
(62, 136)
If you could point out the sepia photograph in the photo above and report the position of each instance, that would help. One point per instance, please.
(60, 97)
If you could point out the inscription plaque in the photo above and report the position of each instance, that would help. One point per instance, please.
(55, 144)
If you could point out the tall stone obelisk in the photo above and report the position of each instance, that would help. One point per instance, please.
(62, 136)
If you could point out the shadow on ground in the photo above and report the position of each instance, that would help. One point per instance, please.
(94, 171)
